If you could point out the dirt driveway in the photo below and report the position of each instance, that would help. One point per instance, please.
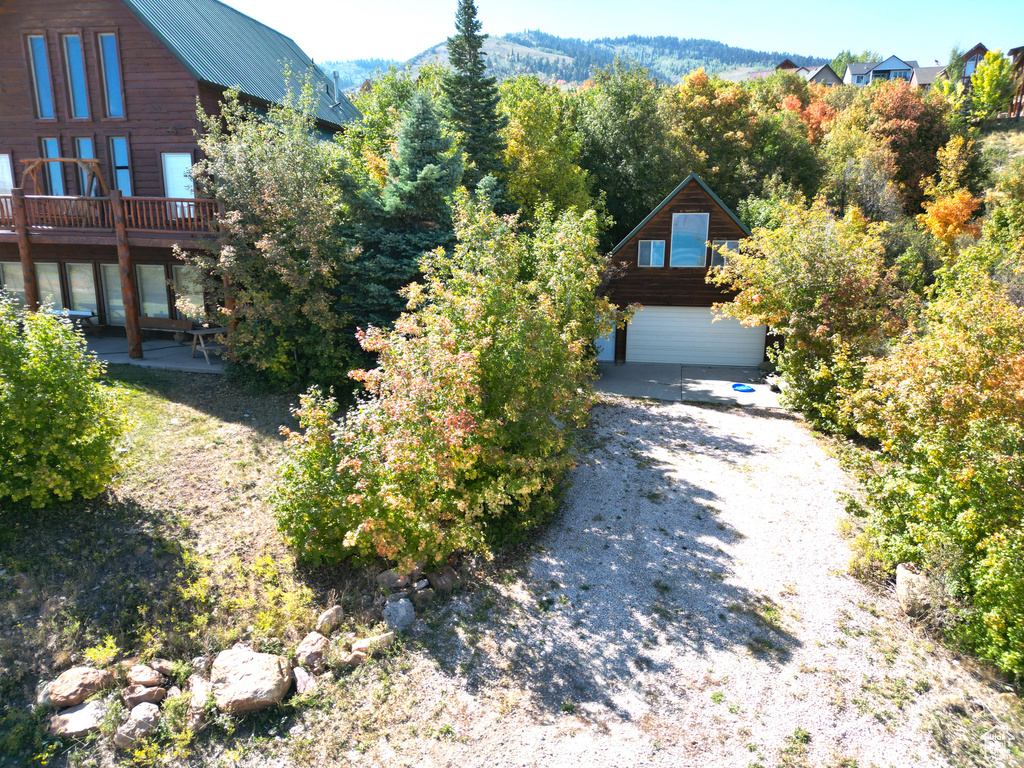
(688, 607)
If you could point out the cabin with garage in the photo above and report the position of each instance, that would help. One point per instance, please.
(662, 265)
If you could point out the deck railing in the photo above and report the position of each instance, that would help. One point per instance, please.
(141, 214)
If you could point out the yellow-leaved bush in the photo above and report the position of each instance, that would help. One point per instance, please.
(59, 424)
(467, 424)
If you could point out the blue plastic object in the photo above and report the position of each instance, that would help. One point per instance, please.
(743, 387)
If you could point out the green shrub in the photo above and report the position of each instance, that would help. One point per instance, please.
(466, 428)
(59, 425)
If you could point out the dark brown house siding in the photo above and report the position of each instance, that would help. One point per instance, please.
(159, 93)
(672, 286)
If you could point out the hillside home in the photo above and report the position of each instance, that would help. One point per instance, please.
(893, 68)
(662, 264)
(823, 74)
(972, 59)
(97, 122)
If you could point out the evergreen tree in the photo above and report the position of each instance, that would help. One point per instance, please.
(410, 217)
(473, 98)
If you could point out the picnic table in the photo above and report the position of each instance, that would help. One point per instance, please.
(202, 338)
(82, 318)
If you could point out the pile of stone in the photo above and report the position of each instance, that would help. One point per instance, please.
(406, 590)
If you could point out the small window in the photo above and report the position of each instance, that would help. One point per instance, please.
(651, 253)
(82, 287)
(6, 174)
(12, 280)
(40, 64)
(77, 92)
(54, 173)
(121, 165)
(84, 151)
(689, 239)
(113, 301)
(152, 284)
(111, 63)
(718, 259)
(48, 281)
(189, 286)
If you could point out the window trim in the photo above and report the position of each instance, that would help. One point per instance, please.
(114, 167)
(33, 75)
(672, 231)
(652, 265)
(69, 79)
(102, 62)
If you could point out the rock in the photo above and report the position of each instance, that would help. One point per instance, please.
(141, 721)
(77, 684)
(399, 614)
(444, 580)
(141, 674)
(78, 720)
(173, 692)
(330, 620)
(421, 584)
(370, 644)
(400, 595)
(304, 682)
(392, 580)
(912, 591)
(200, 691)
(43, 694)
(423, 596)
(355, 659)
(243, 680)
(134, 695)
(163, 666)
(310, 652)
(201, 663)
(417, 572)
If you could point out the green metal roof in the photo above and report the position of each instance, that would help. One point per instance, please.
(667, 200)
(224, 47)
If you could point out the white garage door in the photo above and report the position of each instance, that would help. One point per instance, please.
(687, 335)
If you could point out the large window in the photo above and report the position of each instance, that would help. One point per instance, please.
(689, 239)
(6, 174)
(113, 301)
(40, 65)
(48, 280)
(84, 151)
(12, 279)
(651, 253)
(121, 165)
(152, 290)
(110, 61)
(54, 172)
(77, 92)
(82, 287)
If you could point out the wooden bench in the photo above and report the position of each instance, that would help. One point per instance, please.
(147, 323)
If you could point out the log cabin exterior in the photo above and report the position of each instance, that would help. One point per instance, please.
(663, 265)
(116, 82)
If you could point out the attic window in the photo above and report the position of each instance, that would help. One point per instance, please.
(651, 253)
(719, 248)
(689, 239)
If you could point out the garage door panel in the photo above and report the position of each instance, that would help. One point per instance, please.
(689, 336)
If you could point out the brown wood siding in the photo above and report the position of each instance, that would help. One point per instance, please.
(159, 93)
(672, 286)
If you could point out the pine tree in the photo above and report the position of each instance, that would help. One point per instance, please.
(473, 98)
(411, 216)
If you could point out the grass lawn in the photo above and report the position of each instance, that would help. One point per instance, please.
(179, 558)
(1002, 142)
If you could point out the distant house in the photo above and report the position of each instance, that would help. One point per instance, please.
(971, 60)
(924, 77)
(822, 74)
(1017, 57)
(662, 265)
(97, 120)
(893, 68)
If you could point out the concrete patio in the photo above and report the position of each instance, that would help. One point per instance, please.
(686, 383)
(156, 353)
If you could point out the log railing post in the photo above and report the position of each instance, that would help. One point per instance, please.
(28, 265)
(124, 263)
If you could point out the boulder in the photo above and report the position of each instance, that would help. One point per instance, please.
(421, 584)
(141, 722)
(173, 692)
(243, 680)
(392, 579)
(78, 720)
(77, 684)
(423, 596)
(330, 620)
(370, 644)
(134, 695)
(304, 682)
(399, 615)
(354, 659)
(163, 666)
(199, 690)
(913, 591)
(444, 580)
(43, 693)
(141, 674)
(310, 652)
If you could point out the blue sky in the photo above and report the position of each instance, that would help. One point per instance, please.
(399, 29)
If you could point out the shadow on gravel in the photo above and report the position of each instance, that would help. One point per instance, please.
(629, 578)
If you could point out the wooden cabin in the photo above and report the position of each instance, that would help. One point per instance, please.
(97, 121)
(662, 265)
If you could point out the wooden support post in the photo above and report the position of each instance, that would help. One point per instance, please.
(28, 265)
(124, 263)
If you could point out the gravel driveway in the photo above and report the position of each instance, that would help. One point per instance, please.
(688, 607)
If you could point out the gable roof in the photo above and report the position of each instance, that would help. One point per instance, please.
(895, 62)
(667, 200)
(927, 75)
(786, 64)
(814, 72)
(226, 48)
(861, 67)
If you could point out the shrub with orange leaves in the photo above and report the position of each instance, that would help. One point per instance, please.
(949, 217)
